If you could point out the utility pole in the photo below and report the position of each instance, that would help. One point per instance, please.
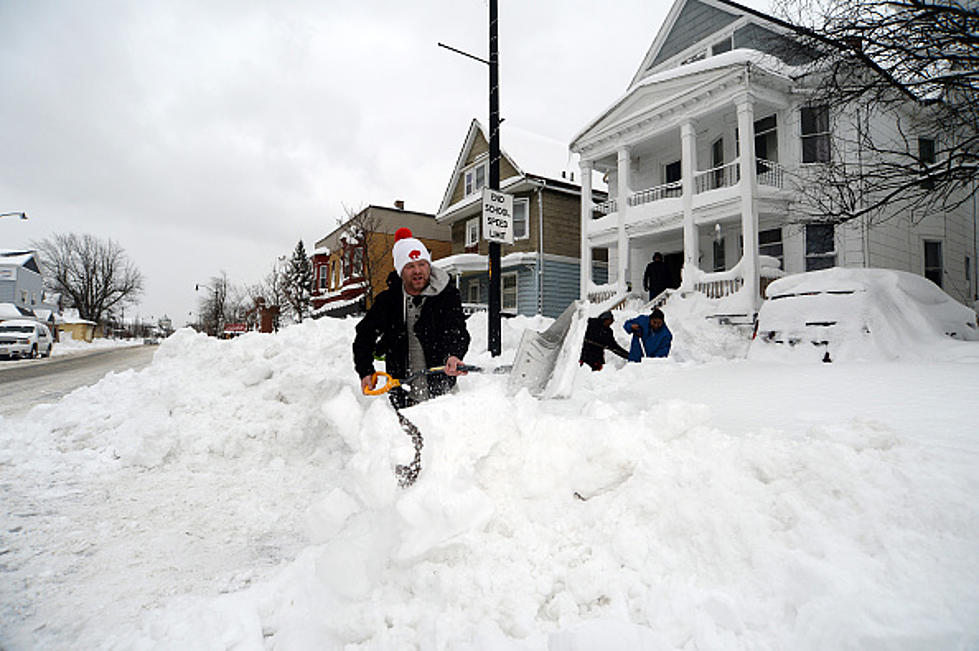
(495, 303)
(493, 335)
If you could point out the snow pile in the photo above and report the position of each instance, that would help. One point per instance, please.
(66, 344)
(240, 494)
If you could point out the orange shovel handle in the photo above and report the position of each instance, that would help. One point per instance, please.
(389, 383)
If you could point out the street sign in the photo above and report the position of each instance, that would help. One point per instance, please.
(497, 216)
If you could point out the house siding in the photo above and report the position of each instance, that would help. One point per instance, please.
(479, 147)
(756, 37)
(561, 281)
(696, 21)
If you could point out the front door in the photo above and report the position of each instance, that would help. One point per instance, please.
(674, 262)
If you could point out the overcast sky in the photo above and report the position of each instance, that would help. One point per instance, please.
(212, 135)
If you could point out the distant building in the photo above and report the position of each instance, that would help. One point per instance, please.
(540, 270)
(351, 264)
(22, 286)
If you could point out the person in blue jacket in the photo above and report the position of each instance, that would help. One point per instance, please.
(650, 336)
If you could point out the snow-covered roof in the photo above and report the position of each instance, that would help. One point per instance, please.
(734, 59)
(18, 259)
(467, 262)
(11, 311)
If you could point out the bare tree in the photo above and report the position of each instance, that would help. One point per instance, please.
(213, 304)
(363, 230)
(910, 64)
(95, 275)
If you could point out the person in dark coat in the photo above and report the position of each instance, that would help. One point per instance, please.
(416, 323)
(598, 339)
(657, 276)
(650, 336)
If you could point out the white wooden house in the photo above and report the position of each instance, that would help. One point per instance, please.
(724, 208)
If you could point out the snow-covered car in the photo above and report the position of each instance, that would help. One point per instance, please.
(857, 314)
(24, 338)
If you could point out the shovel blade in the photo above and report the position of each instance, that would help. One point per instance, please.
(539, 352)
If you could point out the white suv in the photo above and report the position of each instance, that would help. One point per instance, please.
(24, 338)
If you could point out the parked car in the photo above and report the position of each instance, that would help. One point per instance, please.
(24, 338)
(857, 314)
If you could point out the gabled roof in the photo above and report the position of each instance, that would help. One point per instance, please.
(529, 153)
(690, 22)
(19, 258)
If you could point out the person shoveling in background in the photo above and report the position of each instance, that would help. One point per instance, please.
(598, 338)
(416, 324)
(650, 336)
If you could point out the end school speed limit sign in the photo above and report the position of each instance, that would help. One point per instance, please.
(497, 216)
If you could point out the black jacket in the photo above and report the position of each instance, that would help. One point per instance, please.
(598, 337)
(441, 330)
(657, 278)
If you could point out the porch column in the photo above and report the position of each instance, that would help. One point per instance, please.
(691, 238)
(587, 207)
(749, 216)
(622, 203)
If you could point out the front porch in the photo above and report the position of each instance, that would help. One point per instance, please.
(692, 156)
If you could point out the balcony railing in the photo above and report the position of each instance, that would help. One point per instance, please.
(607, 207)
(666, 191)
(769, 173)
(720, 177)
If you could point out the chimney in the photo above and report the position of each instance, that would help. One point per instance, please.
(399, 204)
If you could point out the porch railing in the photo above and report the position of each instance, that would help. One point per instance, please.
(665, 191)
(720, 287)
(607, 207)
(720, 177)
(769, 173)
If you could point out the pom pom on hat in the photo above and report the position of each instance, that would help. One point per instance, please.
(407, 249)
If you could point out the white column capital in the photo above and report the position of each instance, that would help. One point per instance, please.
(744, 101)
(586, 165)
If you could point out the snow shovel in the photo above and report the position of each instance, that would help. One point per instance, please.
(391, 382)
(539, 353)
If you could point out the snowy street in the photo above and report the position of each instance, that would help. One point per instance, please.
(27, 383)
(240, 494)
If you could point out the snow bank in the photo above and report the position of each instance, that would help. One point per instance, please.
(634, 515)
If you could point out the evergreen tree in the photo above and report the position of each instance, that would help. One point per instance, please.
(299, 282)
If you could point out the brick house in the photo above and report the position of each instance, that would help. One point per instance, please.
(351, 264)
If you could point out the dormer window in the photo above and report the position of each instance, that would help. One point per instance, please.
(724, 45)
(476, 178)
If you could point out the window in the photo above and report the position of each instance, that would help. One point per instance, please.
(719, 262)
(717, 162)
(926, 154)
(521, 219)
(820, 246)
(476, 178)
(933, 261)
(770, 243)
(508, 291)
(815, 134)
(472, 292)
(766, 141)
(23, 296)
(968, 274)
(357, 262)
(324, 276)
(472, 232)
(721, 46)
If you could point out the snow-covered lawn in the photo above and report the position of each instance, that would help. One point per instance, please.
(240, 494)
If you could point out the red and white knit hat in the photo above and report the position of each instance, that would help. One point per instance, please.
(407, 249)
